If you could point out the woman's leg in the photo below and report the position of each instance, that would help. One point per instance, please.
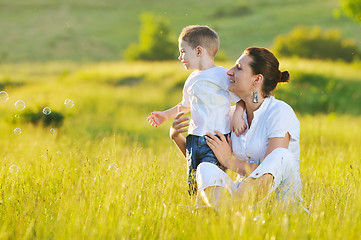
(211, 196)
(255, 189)
(213, 184)
(279, 169)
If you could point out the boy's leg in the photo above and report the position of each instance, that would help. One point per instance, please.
(206, 154)
(191, 156)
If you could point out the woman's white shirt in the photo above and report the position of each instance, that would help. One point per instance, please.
(274, 118)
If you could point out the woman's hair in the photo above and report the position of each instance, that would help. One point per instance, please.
(265, 63)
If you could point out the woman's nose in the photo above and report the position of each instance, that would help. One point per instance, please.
(230, 72)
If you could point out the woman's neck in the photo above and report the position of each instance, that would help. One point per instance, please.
(251, 107)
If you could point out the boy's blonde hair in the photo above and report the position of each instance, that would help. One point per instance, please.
(204, 36)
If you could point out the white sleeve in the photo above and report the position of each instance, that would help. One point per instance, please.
(282, 120)
(185, 100)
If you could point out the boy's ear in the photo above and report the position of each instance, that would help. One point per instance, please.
(199, 50)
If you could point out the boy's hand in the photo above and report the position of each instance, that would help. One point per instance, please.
(239, 126)
(157, 118)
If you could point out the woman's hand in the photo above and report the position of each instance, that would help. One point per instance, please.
(179, 125)
(221, 148)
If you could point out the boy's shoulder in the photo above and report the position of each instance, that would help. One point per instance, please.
(217, 72)
(220, 69)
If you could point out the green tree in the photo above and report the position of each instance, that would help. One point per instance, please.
(156, 41)
(352, 8)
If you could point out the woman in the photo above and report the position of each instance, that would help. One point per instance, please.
(267, 154)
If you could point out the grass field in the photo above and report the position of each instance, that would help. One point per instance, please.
(65, 184)
(90, 30)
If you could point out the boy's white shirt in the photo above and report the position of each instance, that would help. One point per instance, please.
(206, 93)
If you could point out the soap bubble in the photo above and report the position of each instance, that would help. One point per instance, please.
(20, 105)
(12, 200)
(113, 168)
(17, 131)
(4, 96)
(69, 103)
(17, 116)
(183, 207)
(46, 110)
(259, 219)
(43, 157)
(52, 130)
(58, 152)
(13, 169)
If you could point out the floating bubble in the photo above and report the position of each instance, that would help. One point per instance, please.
(13, 169)
(4, 96)
(17, 116)
(20, 105)
(43, 157)
(259, 219)
(52, 130)
(17, 131)
(46, 110)
(113, 168)
(69, 103)
(58, 152)
(183, 207)
(12, 199)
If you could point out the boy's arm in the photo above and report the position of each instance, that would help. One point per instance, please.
(158, 117)
(238, 124)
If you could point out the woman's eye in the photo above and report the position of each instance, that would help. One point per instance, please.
(239, 67)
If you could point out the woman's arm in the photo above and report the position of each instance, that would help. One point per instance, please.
(277, 142)
(179, 126)
(223, 151)
(258, 188)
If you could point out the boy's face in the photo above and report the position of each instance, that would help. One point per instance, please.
(188, 56)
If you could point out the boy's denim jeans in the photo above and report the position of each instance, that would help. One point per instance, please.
(197, 151)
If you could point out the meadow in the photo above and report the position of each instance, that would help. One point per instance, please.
(91, 30)
(105, 173)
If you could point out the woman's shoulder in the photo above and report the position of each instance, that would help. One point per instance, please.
(280, 109)
(279, 105)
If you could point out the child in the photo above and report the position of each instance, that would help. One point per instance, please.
(206, 95)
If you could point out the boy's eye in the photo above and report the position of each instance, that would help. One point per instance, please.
(238, 67)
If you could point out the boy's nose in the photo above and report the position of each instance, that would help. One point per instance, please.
(230, 72)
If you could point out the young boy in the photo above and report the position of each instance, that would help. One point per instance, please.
(206, 95)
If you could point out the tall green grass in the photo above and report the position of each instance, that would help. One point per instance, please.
(65, 187)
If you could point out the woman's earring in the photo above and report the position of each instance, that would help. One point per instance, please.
(255, 97)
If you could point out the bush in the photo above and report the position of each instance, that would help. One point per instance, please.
(312, 42)
(311, 93)
(352, 8)
(155, 40)
(55, 119)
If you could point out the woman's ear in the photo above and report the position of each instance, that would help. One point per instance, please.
(258, 79)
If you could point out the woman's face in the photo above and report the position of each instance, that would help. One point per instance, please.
(241, 77)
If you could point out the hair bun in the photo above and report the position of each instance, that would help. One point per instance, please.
(284, 76)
